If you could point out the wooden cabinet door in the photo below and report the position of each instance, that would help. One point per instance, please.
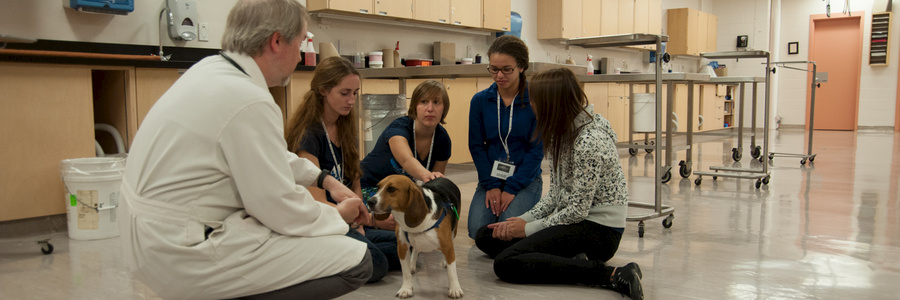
(641, 16)
(460, 91)
(466, 13)
(497, 14)
(394, 8)
(559, 19)
(590, 17)
(355, 6)
(711, 31)
(609, 17)
(150, 84)
(296, 92)
(432, 11)
(626, 16)
(654, 17)
(702, 22)
(598, 95)
(617, 115)
(47, 116)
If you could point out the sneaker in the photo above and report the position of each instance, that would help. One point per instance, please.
(627, 281)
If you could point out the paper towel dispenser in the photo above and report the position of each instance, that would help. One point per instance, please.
(182, 19)
(116, 7)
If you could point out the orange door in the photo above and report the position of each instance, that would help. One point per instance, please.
(836, 47)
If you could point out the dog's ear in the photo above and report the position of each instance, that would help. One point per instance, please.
(417, 209)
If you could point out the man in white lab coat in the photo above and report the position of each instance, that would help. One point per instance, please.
(214, 206)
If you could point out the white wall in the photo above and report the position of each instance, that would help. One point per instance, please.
(878, 84)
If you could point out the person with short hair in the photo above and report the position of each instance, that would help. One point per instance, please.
(213, 205)
(584, 211)
(415, 145)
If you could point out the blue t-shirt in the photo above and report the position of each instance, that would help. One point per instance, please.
(316, 143)
(380, 163)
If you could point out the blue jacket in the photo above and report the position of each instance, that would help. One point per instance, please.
(485, 146)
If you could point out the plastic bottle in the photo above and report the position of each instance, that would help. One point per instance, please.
(309, 58)
(358, 60)
(590, 65)
(396, 54)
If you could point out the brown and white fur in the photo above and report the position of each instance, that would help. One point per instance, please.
(416, 210)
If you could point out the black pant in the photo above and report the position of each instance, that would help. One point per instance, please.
(547, 255)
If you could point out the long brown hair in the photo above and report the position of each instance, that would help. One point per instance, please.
(328, 74)
(556, 99)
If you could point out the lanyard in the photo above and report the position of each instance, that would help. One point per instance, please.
(338, 169)
(416, 146)
(503, 140)
(233, 63)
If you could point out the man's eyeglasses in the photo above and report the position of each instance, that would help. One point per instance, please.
(506, 70)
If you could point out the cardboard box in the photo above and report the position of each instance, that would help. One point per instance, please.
(721, 71)
(444, 53)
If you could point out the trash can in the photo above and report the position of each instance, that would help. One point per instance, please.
(379, 110)
(92, 195)
(644, 112)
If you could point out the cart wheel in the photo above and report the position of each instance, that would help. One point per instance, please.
(698, 180)
(632, 151)
(803, 161)
(758, 183)
(46, 248)
(641, 229)
(766, 180)
(667, 222)
(755, 152)
(812, 158)
(715, 177)
(666, 176)
(684, 170)
(771, 156)
(735, 154)
(649, 150)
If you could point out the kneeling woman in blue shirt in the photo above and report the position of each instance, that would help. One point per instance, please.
(415, 145)
(584, 211)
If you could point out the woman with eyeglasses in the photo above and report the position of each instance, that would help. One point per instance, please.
(501, 127)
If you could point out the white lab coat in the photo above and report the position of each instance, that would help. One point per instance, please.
(211, 152)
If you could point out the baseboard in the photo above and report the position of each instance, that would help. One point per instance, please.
(34, 226)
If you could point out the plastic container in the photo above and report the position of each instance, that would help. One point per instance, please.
(375, 56)
(309, 57)
(644, 112)
(376, 64)
(418, 62)
(92, 195)
(590, 65)
(466, 61)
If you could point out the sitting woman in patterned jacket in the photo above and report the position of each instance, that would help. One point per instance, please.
(585, 208)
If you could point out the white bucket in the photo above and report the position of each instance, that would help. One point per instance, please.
(644, 112)
(92, 195)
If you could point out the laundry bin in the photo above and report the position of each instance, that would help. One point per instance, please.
(379, 111)
(644, 112)
(92, 195)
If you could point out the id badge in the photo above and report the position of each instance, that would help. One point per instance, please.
(502, 170)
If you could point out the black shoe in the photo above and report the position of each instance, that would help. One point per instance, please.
(627, 281)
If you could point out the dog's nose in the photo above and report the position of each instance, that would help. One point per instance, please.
(372, 202)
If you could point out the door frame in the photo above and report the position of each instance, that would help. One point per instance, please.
(809, 77)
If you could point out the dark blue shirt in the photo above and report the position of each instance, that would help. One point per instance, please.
(316, 143)
(380, 163)
(485, 146)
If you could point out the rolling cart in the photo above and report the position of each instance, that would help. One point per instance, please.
(762, 176)
(812, 109)
(659, 210)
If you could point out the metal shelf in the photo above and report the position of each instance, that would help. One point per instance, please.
(735, 54)
(630, 39)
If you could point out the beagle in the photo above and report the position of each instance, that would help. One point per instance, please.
(427, 219)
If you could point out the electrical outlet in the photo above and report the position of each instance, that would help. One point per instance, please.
(203, 32)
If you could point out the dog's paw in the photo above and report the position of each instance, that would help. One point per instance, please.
(412, 269)
(443, 263)
(456, 293)
(405, 292)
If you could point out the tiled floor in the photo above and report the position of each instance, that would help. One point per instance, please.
(824, 230)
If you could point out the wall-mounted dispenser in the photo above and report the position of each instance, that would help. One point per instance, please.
(116, 7)
(182, 19)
